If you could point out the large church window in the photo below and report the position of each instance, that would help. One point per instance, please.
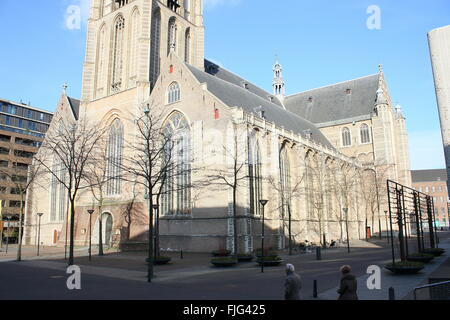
(176, 198)
(365, 133)
(134, 46)
(172, 35)
(174, 93)
(255, 177)
(155, 49)
(58, 195)
(115, 157)
(285, 182)
(117, 59)
(187, 46)
(346, 137)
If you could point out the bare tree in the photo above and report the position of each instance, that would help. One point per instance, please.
(97, 177)
(149, 162)
(319, 189)
(234, 176)
(73, 145)
(288, 194)
(345, 180)
(22, 176)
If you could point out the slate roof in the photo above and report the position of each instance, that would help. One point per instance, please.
(354, 99)
(75, 106)
(221, 73)
(429, 175)
(235, 95)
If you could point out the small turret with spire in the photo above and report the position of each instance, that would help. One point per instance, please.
(381, 97)
(278, 81)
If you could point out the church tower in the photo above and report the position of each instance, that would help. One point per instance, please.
(126, 40)
(278, 82)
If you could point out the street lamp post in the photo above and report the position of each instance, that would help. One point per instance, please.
(39, 232)
(263, 204)
(346, 227)
(90, 212)
(156, 237)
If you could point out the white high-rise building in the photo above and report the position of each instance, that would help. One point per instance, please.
(439, 41)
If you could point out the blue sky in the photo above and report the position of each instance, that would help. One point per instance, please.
(318, 42)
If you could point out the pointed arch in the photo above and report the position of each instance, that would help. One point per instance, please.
(115, 158)
(117, 54)
(102, 63)
(134, 45)
(187, 46)
(346, 137)
(255, 175)
(172, 35)
(155, 59)
(173, 93)
(176, 198)
(365, 134)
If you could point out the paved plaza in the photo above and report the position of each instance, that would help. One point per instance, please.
(123, 275)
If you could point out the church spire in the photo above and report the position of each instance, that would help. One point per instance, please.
(278, 81)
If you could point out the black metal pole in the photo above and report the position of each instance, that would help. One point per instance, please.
(346, 227)
(416, 212)
(390, 223)
(262, 241)
(430, 222)
(7, 235)
(405, 221)
(422, 238)
(39, 236)
(387, 226)
(90, 237)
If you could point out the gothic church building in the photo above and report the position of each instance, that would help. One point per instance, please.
(151, 52)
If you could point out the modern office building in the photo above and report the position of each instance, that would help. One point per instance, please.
(434, 183)
(22, 130)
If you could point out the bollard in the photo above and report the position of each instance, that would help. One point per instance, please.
(315, 295)
(181, 255)
(391, 293)
(319, 253)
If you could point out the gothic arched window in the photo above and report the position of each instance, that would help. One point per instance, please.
(285, 182)
(172, 36)
(255, 176)
(156, 45)
(174, 93)
(101, 61)
(115, 157)
(134, 45)
(117, 58)
(177, 188)
(187, 46)
(365, 133)
(346, 137)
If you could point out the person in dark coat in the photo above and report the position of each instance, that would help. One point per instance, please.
(293, 284)
(349, 285)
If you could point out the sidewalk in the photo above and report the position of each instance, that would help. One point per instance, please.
(30, 253)
(402, 284)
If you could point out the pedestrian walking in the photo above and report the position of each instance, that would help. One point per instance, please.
(349, 285)
(293, 284)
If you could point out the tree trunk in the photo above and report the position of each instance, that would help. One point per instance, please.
(72, 230)
(19, 249)
(235, 234)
